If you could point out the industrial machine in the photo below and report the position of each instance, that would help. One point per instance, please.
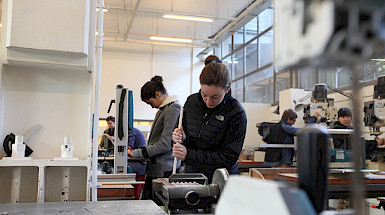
(320, 101)
(375, 110)
(123, 125)
(374, 118)
(183, 191)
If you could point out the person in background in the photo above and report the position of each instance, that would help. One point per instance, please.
(107, 141)
(213, 125)
(343, 122)
(136, 141)
(283, 133)
(158, 151)
(344, 119)
(212, 58)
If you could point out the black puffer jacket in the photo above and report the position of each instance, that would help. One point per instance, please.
(214, 137)
(339, 141)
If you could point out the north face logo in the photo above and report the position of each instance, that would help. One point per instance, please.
(220, 118)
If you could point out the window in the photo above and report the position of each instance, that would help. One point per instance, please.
(265, 19)
(238, 38)
(282, 82)
(237, 90)
(237, 64)
(227, 46)
(228, 62)
(251, 56)
(251, 59)
(265, 54)
(260, 86)
(307, 78)
(248, 53)
(251, 29)
(217, 51)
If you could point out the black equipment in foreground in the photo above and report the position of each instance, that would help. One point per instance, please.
(190, 190)
(313, 164)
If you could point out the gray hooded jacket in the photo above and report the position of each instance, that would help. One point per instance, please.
(159, 147)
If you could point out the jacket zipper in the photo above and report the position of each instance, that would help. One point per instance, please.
(204, 122)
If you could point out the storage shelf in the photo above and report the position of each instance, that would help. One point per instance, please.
(44, 180)
(44, 162)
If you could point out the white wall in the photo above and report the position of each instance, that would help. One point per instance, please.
(132, 65)
(58, 100)
(255, 113)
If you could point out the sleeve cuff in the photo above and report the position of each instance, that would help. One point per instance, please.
(143, 152)
(138, 153)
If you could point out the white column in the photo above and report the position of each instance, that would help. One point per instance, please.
(41, 184)
(15, 187)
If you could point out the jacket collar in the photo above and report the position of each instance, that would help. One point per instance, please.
(168, 100)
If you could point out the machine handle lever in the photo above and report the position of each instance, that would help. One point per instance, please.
(109, 107)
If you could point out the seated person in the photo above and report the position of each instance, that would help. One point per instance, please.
(107, 141)
(136, 141)
(344, 120)
(283, 133)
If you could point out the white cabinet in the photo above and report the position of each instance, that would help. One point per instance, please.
(40, 180)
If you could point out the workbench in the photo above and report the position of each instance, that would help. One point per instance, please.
(134, 207)
(245, 166)
(340, 188)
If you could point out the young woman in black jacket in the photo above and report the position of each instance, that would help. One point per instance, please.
(344, 119)
(213, 126)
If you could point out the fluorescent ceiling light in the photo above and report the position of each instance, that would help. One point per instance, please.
(1, 25)
(378, 59)
(189, 18)
(171, 39)
(232, 61)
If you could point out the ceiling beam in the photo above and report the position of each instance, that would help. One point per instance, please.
(146, 35)
(110, 39)
(175, 13)
(129, 24)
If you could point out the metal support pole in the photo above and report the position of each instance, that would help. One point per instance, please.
(358, 186)
(98, 72)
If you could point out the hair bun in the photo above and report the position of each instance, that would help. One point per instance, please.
(157, 78)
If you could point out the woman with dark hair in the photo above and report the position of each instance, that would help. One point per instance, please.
(283, 133)
(213, 126)
(158, 151)
(344, 119)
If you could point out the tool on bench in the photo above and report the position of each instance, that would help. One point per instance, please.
(190, 190)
